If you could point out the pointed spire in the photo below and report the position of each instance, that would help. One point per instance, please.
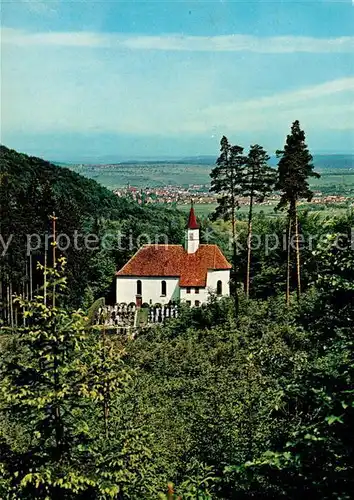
(192, 220)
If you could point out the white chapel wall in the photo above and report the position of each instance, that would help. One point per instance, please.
(214, 276)
(202, 295)
(126, 289)
(192, 296)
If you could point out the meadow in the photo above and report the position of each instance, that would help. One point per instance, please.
(205, 209)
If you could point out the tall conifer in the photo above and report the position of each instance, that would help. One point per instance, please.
(294, 168)
(227, 182)
(258, 183)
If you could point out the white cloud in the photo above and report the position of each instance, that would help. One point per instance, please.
(287, 99)
(52, 87)
(222, 43)
(238, 43)
(120, 107)
(327, 105)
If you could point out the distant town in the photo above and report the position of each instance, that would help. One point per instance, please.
(200, 194)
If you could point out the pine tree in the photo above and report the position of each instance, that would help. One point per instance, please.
(227, 181)
(259, 182)
(294, 168)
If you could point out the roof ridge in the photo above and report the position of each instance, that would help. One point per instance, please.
(161, 245)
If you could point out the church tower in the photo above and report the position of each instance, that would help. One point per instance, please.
(192, 232)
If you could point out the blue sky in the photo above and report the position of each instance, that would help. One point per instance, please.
(85, 80)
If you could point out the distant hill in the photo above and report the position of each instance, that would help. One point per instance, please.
(320, 160)
(338, 160)
(334, 161)
(327, 161)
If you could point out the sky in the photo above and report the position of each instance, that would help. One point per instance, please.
(88, 80)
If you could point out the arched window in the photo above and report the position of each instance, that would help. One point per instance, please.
(139, 288)
(163, 288)
(219, 287)
(197, 303)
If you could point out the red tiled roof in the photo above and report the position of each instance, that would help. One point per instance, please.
(192, 220)
(174, 261)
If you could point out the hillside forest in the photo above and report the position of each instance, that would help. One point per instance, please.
(247, 396)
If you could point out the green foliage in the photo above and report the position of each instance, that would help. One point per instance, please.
(60, 386)
(336, 255)
(212, 404)
(222, 406)
(315, 457)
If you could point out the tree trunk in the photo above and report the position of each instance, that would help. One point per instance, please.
(249, 237)
(23, 294)
(54, 254)
(106, 388)
(59, 431)
(234, 252)
(2, 302)
(234, 258)
(26, 284)
(11, 307)
(45, 276)
(30, 277)
(7, 301)
(288, 266)
(297, 250)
